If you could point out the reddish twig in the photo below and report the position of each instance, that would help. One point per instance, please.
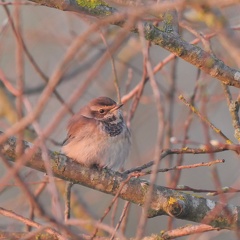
(113, 201)
(205, 149)
(202, 164)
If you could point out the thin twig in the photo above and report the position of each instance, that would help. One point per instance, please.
(187, 230)
(29, 222)
(67, 212)
(115, 78)
(204, 119)
(31, 59)
(159, 141)
(202, 164)
(205, 149)
(114, 212)
(37, 192)
(97, 224)
(138, 94)
(125, 209)
(233, 107)
(113, 201)
(209, 192)
(187, 124)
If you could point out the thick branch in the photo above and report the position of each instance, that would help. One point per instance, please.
(167, 40)
(164, 202)
(193, 54)
(93, 7)
(21, 235)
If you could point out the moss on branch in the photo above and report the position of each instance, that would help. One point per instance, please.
(167, 40)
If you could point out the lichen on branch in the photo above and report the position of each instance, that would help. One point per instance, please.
(165, 201)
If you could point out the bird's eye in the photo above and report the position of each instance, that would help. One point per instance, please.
(101, 111)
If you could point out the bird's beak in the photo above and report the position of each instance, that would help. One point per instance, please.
(116, 107)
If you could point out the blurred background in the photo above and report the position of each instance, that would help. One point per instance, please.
(48, 33)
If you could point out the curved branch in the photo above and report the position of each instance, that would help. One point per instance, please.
(165, 201)
(170, 41)
(93, 7)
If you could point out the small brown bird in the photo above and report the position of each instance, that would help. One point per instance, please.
(98, 135)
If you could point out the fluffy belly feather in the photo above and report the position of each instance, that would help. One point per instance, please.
(105, 151)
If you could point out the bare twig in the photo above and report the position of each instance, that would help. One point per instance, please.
(31, 59)
(186, 150)
(185, 231)
(68, 201)
(113, 201)
(37, 192)
(204, 119)
(233, 107)
(187, 124)
(159, 141)
(115, 78)
(125, 209)
(202, 164)
(29, 222)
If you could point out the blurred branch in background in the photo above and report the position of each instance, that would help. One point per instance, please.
(57, 57)
(7, 109)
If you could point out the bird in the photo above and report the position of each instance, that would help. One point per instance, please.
(98, 135)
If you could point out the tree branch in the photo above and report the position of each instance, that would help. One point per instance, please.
(164, 202)
(170, 41)
(94, 7)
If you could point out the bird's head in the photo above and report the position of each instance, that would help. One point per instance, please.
(103, 109)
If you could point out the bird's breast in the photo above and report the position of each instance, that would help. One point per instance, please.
(112, 129)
